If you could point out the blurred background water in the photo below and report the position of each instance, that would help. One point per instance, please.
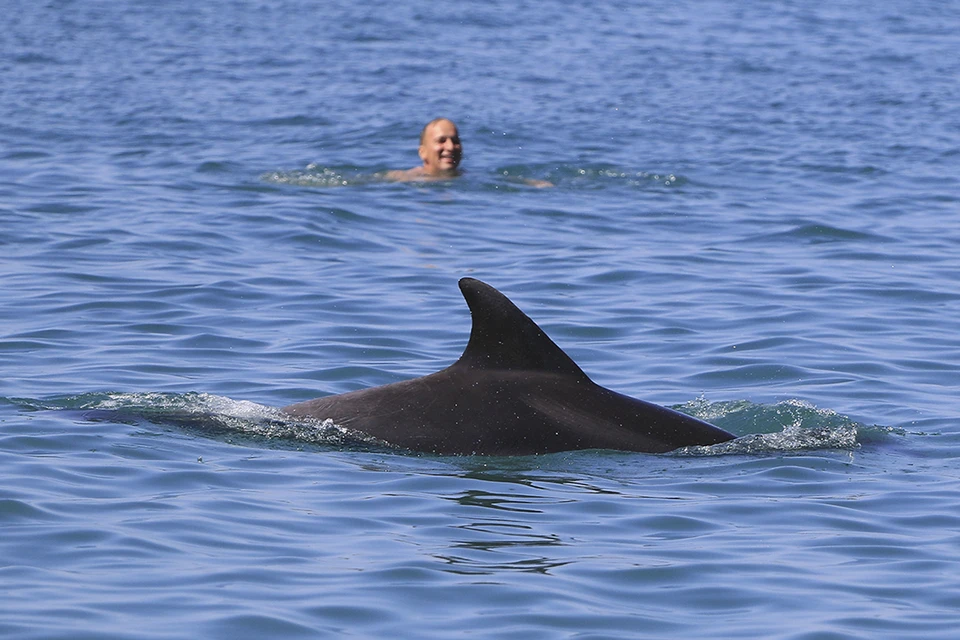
(753, 219)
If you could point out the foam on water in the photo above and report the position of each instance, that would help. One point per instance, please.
(317, 176)
(785, 427)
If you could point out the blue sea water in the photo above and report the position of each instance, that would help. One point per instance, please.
(753, 219)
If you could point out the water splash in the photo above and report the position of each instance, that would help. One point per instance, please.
(208, 415)
(788, 426)
(595, 176)
(791, 425)
(316, 176)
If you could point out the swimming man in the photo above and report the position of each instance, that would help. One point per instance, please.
(440, 150)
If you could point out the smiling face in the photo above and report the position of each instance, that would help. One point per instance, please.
(440, 148)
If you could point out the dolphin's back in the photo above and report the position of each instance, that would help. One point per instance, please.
(513, 391)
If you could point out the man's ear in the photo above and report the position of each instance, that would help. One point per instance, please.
(422, 153)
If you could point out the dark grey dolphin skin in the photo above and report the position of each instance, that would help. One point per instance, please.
(512, 392)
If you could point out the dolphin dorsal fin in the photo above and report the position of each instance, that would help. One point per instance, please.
(504, 338)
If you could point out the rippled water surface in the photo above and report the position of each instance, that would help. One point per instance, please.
(753, 220)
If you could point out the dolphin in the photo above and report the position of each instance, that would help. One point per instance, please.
(512, 392)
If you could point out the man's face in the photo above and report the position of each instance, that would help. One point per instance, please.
(441, 149)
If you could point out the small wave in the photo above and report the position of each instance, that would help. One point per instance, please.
(791, 425)
(790, 439)
(788, 426)
(317, 176)
(208, 415)
(594, 176)
(576, 176)
(818, 233)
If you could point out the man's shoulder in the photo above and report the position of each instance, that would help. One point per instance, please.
(405, 174)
